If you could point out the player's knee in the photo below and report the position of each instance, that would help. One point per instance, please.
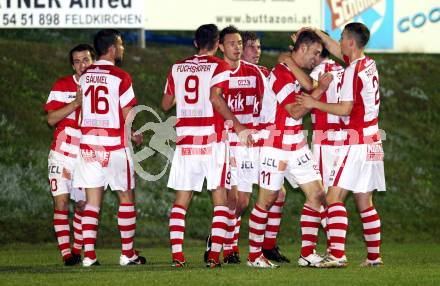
(242, 205)
(79, 206)
(62, 204)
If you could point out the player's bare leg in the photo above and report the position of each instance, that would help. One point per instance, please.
(257, 227)
(337, 223)
(177, 226)
(89, 224)
(371, 227)
(270, 248)
(219, 225)
(62, 228)
(310, 222)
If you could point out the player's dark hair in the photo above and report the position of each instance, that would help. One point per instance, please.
(81, 48)
(249, 36)
(359, 32)
(104, 39)
(325, 53)
(206, 36)
(307, 38)
(226, 31)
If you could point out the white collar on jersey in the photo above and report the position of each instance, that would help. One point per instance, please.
(238, 67)
(358, 59)
(103, 63)
(74, 79)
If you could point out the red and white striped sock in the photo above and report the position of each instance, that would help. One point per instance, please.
(62, 232)
(229, 239)
(371, 224)
(310, 222)
(77, 233)
(273, 223)
(218, 231)
(337, 224)
(89, 224)
(236, 235)
(127, 227)
(257, 227)
(323, 211)
(177, 231)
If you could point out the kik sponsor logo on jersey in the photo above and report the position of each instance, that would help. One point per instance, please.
(236, 102)
(377, 15)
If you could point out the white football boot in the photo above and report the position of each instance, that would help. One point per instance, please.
(309, 261)
(261, 262)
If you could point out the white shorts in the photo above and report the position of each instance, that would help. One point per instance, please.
(193, 163)
(360, 168)
(297, 166)
(105, 168)
(243, 167)
(60, 173)
(327, 157)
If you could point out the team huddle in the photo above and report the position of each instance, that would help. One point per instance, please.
(238, 125)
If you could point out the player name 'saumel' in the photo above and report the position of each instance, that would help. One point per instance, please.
(96, 79)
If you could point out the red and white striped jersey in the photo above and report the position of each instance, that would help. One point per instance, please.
(244, 95)
(264, 70)
(190, 81)
(106, 89)
(326, 125)
(279, 129)
(361, 85)
(67, 134)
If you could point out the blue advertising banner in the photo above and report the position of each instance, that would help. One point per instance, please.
(377, 15)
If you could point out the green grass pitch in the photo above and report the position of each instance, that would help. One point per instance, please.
(405, 264)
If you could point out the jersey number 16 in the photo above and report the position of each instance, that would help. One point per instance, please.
(95, 98)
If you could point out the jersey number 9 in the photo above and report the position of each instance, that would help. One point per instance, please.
(192, 87)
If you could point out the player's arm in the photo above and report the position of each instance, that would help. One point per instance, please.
(168, 101)
(298, 110)
(330, 44)
(342, 108)
(137, 138)
(55, 116)
(221, 107)
(304, 79)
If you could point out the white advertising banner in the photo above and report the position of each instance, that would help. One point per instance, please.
(256, 15)
(72, 13)
(417, 26)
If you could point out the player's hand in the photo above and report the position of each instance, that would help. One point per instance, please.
(245, 135)
(303, 29)
(137, 137)
(293, 36)
(305, 100)
(324, 81)
(78, 96)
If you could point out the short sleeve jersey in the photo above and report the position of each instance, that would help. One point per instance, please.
(279, 129)
(244, 95)
(67, 133)
(325, 123)
(361, 85)
(106, 89)
(264, 70)
(190, 81)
